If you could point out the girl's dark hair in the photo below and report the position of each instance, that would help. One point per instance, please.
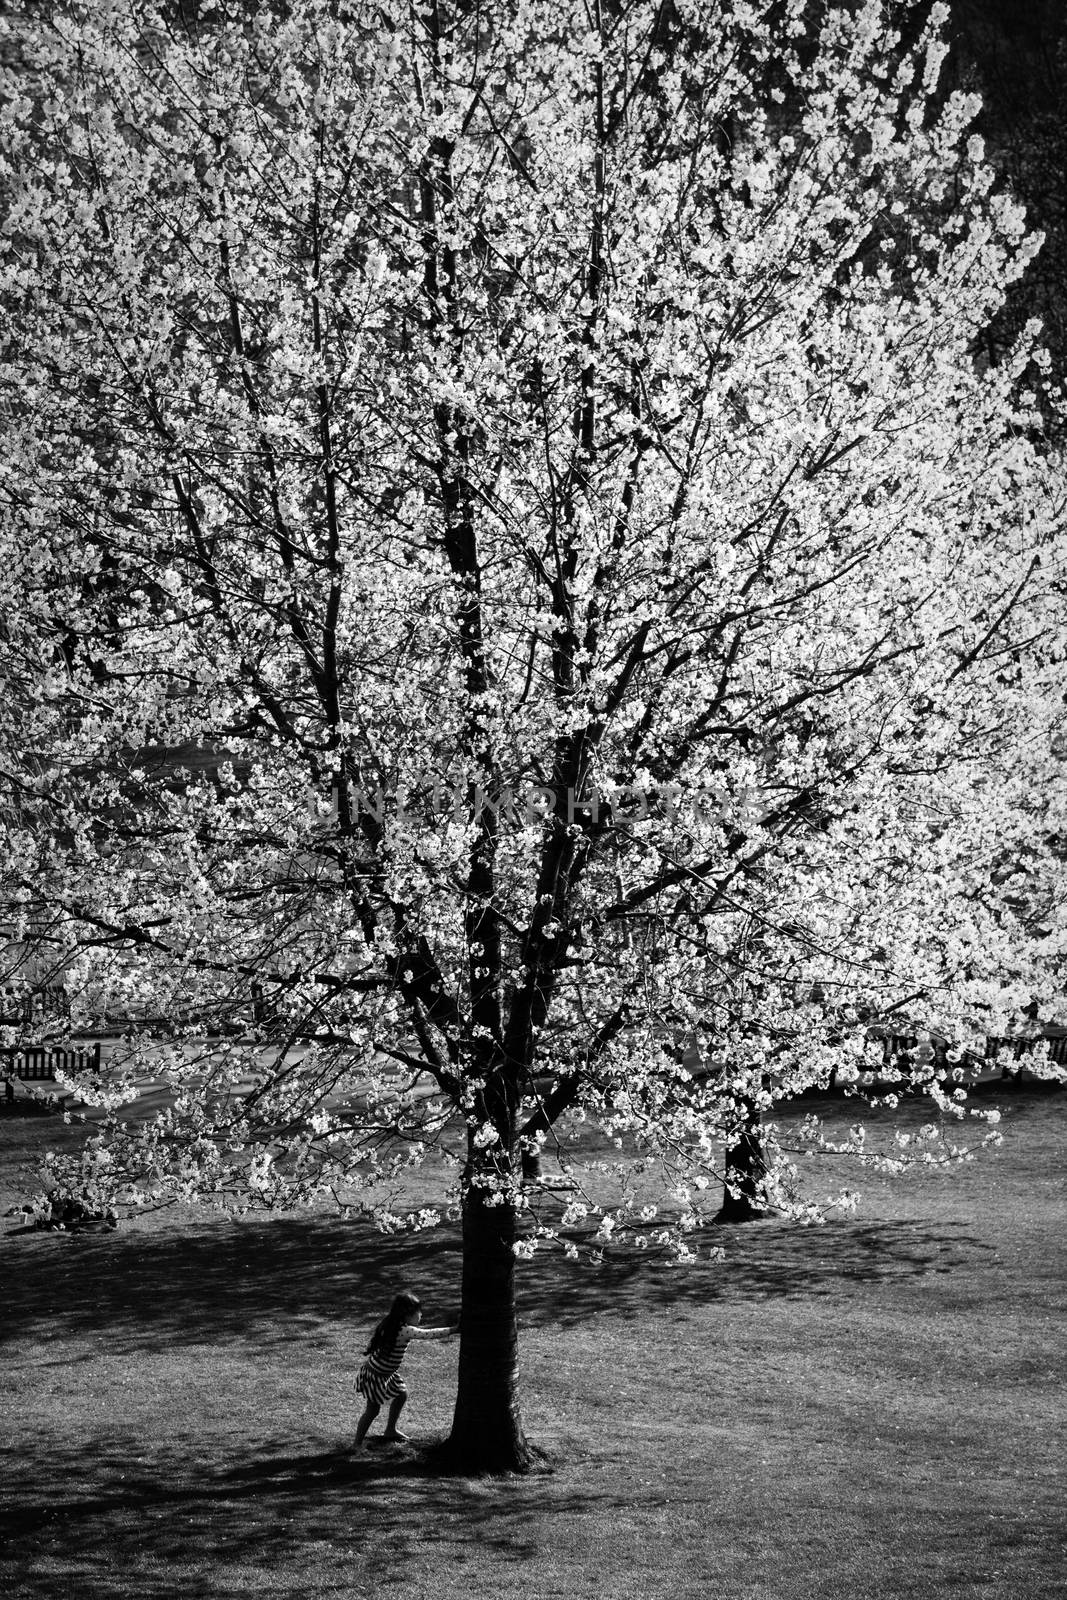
(384, 1335)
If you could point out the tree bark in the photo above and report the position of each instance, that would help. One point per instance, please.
(744, 1198)
(487, 1433)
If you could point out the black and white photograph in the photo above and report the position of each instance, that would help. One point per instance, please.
(533, 799)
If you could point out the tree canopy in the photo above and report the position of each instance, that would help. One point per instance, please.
(516, 568)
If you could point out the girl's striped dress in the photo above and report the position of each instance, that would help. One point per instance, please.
(379, 1376)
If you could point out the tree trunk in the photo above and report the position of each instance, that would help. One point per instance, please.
(487, 1433)
(746, 1169)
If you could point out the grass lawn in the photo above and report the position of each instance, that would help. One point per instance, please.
(867, 1410)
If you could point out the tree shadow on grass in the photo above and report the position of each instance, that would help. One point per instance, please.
(763, 1261)
(200, 1277)
(213, 1279)
(266, 1281)
(109, 1523)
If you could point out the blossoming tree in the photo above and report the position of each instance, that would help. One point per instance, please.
(520, 600)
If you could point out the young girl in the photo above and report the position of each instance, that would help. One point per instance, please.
(379, 1377)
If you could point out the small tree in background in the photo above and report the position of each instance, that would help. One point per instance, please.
(511, 569)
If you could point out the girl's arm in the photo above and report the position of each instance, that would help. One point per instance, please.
(433, 1333)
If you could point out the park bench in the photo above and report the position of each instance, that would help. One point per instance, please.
(38, 1063)
(1012, 1052)
(1057, 1045)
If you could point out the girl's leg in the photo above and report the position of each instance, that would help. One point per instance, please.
(365, 1421)
(396, 1407)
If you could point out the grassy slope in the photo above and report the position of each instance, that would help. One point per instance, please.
(869, 1409)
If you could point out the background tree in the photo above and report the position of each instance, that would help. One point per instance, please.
(423, 409)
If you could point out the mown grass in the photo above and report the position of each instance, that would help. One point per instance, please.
(868, 1409)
